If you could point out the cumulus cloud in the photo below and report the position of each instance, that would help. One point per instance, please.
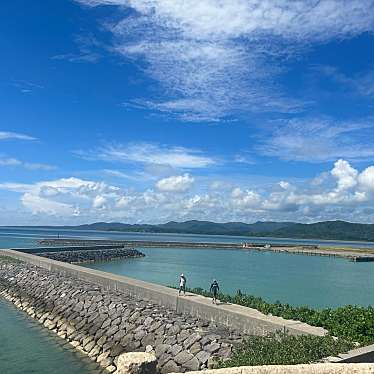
(178, 183)
(4, 135)
(214, 58)
(348, 195)
(319, 139)
(152, 154)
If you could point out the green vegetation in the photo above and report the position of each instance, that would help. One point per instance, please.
(332, 230)
(9, 260)
(283, 349)
(352, 323)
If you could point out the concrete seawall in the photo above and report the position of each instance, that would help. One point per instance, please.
(249, 321)
(298, 369)
(103, 323)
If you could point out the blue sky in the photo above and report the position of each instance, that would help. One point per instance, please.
(152, 110)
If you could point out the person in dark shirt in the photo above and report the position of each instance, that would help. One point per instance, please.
(214, 288)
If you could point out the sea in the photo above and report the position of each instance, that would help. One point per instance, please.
(314, 281)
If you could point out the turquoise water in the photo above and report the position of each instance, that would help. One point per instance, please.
(296, 279)
(26, 347)
(13, 237)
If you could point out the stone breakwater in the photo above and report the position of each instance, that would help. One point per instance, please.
(104, 324)
(91, 255)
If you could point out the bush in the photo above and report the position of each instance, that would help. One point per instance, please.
(283, 349)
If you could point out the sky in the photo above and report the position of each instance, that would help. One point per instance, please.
(145, 111)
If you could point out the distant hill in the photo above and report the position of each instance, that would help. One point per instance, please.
(332, 230)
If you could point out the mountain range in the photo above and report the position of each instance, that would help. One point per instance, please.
(332, 230)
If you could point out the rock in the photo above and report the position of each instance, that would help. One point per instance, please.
(116, 350)
(119, 335)
(149, 349)
(224, 352)
(149, 339)
(170, 367)
(161, 348)
(192, 365)
(164, 358)
(175, 349)
(212, 347)
(101, 341)
(148, 321)
(126, 340)
(112, 331)
(183, 357)
(140, 335)
(194, 349)
(95, 351)
(174, 330)
(191, 340)
(89, 346)
(136, 363)
(203, 356)
(103, 356)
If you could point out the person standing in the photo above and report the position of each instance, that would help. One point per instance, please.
(182, 284)
(214, 288)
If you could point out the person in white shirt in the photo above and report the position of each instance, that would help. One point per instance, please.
(182, 284)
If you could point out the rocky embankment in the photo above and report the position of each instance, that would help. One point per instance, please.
(91, 255)
(103, 324)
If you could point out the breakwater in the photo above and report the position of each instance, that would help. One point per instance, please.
(91, 255)
(104, 323)
(352, 254)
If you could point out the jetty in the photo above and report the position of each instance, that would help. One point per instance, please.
(352, 254)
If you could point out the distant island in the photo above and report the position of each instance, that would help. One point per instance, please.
(330, 230)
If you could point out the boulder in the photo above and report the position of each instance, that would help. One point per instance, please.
(136, 363)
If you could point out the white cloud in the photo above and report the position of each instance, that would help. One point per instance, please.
(217, 57)
(153, 154)
(178, 183)
(4, 135)
(319, 139)
(12, 162)
(348, 195)
(362, 83)
(366, 179)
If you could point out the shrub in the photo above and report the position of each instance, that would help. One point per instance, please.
(353, 323)
(282, 349)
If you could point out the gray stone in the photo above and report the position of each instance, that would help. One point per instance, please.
(149, 339)
(203, 356)
(183, 357)
(170, 367)
(195, 348)
(102, 341)
(119, 335)
(161, 349)
(112, 331)
(192, 365)
(116, 350)
(212, 347)
(174, 330)
(163, 359)
(175, 349)
(191, 340)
